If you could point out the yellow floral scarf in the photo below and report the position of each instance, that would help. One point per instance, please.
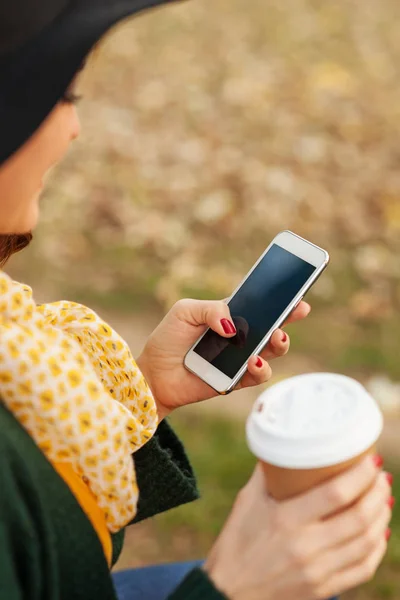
(72, 383)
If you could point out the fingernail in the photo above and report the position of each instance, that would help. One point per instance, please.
(389, 477)
(377, 460)
(284, 337)
(228, 326)
(259, 362)
(388, 533)
(391, 501)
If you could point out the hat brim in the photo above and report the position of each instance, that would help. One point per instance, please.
(34, 78)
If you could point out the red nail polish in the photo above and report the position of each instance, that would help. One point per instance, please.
(259, 362)
(391, 501)
(388, 533)
(389, 477)
(228, 326)
(377, 460)
(284, 337)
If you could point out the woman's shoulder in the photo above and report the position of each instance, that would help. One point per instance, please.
(26, 476)
(23, 467)
(13, 438)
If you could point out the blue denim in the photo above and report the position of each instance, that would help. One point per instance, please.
(152, 583)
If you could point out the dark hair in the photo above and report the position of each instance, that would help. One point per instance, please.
(10, 243)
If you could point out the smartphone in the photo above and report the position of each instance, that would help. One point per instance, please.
(261, 303)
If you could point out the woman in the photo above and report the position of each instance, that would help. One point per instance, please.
(76, 407)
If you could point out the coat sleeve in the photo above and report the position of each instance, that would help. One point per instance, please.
(165, 478)
(197, 586)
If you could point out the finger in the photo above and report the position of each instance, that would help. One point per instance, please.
(256, 483)
(253, 499)
(325, 563)
(258, 371)
(342, 557)
(278, 346)
(300, 312)
(211, 313)
(355, 575)
(333, 496)
(354, 521)
(335, 532)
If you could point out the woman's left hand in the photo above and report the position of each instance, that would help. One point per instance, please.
(161, 361)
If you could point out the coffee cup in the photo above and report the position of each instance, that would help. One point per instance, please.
(309, 428)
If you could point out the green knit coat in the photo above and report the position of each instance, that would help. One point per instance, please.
(49, 549)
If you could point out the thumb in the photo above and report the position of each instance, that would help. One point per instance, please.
(212, 313)
(254, 494)
(257, 480)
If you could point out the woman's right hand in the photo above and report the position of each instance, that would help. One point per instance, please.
(312, 547)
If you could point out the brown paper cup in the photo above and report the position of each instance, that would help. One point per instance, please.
(309, 428)
(283, 484)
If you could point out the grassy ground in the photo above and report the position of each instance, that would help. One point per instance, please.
(218, 450)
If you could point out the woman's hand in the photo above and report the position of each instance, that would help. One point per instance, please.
(161, 361)
(315, 546)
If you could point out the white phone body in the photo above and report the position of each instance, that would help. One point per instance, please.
(299, 247)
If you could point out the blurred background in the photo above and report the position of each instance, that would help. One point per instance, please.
(208, 127)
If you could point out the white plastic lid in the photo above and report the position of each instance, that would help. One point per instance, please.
(314, 420)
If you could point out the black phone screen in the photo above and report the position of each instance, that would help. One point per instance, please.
(255, 308)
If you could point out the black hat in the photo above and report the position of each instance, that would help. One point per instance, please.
(43, 44)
